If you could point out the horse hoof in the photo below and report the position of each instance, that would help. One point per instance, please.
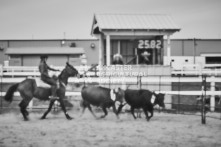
(42, 117)
(26, 119)
(103, 116)
(70, 118)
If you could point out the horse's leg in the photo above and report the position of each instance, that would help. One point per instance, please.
(146, 113)
(115, 111)
(24, 104)
(105, 112)
(64, 109)
(49, 109)
(132, 112)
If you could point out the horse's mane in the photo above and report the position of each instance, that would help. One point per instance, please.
(59, 76)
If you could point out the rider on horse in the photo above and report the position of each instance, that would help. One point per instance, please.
(43, 69)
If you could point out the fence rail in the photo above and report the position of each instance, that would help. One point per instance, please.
(187, 69)
(33, 71)
(23, 71)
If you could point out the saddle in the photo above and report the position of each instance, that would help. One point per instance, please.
(41, 83)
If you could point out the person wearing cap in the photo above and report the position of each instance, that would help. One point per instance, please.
(145, 57)
(43, 69)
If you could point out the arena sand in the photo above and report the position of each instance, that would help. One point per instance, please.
(163, 129)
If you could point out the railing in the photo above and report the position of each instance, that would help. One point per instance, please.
(198, 70)
(24, 71)
(187, 69)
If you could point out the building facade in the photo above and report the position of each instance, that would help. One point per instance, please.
(28, 52)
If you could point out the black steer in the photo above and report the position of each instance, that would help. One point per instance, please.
(101, 97)
(144, 99)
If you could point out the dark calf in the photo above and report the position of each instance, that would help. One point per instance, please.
(144, 99)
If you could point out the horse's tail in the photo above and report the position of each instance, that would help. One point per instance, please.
(10, 93)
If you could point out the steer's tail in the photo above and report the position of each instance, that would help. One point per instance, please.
(10, 93)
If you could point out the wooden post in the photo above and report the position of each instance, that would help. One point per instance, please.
(101, 47)
(212, 98)
(203, 110)
(108, 50)
(168, 50)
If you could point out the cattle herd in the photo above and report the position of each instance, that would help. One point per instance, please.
(106, 98)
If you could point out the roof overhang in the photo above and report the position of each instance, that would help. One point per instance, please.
(146, 24)
(44, 50)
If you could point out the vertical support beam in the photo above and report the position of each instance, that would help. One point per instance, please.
(212, 98)
(108, 50)
(101, 48)
(168, 50)
(118, 47)
(154, 56)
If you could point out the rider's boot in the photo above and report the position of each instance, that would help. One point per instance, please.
(53, 91)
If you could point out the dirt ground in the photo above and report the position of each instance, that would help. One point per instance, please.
(163, 129)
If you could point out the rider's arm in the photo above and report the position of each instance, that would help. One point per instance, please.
(52, 68)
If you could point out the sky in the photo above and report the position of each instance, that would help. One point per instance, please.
(72, 19)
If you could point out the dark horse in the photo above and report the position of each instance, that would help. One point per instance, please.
(28, 89)
(101, 97)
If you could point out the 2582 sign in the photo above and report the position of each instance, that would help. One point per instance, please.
(149, 44)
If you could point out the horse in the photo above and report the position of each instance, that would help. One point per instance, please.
(28, 89)
(101, 97)
(144, 99)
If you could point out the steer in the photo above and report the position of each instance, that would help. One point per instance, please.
(144, 99)
(101, 97)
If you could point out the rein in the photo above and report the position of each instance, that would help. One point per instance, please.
(90, 69)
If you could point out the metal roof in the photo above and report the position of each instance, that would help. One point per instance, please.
(134, 21)
(44, 50)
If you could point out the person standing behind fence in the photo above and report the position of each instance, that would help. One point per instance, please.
(43, 69)
(117, 59)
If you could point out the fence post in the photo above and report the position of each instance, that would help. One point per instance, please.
(1, 76)
(212, 98)
(203, 111)
(178, 107)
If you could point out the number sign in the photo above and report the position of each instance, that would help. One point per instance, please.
(149, 44)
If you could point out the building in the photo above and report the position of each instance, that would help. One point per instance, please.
(183, 51)
(27, 52)
(133, 35)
